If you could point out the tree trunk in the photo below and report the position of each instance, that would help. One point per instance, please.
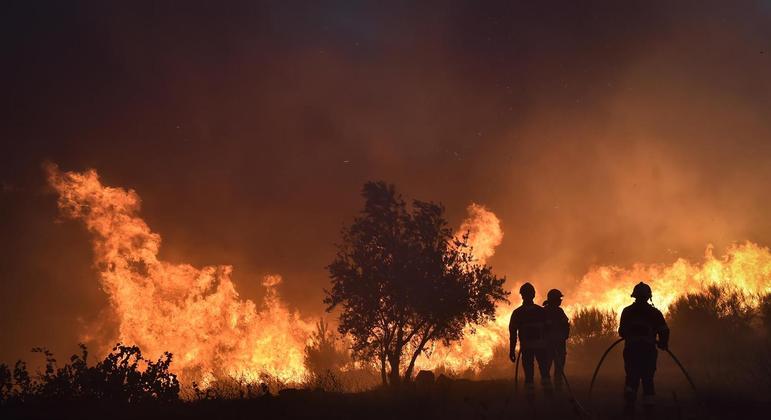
(383, 369)
(411, 366)
(394, 374)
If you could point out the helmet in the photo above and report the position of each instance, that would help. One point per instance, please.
(642, 291)
(528, 290)
(554, 294)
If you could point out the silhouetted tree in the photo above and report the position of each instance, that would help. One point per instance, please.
(403, 281)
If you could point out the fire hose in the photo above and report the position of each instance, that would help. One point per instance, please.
(561, 368)
(602, 359)
(597, 369)
(682, 368)
(573, 399)
(516, 370)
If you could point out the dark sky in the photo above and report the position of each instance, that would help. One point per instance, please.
(600, 132)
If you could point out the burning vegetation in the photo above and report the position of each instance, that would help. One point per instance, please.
(196, 314)
(215, 336)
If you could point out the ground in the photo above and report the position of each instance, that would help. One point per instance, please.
(458, 399)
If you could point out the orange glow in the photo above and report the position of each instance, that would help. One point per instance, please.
(475, 350)
(194, 313)
(746, 267)
(197, 314)
(484, 231)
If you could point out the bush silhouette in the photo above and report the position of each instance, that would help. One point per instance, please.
(233, 387)
(765, 313)
(715, 307)
(592, 330)
(123, 376)
(718, 334)
(592, 323)
(499, 366)
(325, 358)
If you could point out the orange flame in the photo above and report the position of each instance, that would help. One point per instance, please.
(194, 313)
(484, 235)
(745, 267)
(198, 315)
(484, 231)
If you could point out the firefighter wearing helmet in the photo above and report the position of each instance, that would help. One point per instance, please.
(528, 324)
(643, 328)
(557, 333)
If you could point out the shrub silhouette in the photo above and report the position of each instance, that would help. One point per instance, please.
(324, 353)
(592, 323)
(324, 358)
(123, 376)
(715, 307)
(713, 322)
(233, 387)
(500, 366)
(592, 330)
(765, 313)
(718, 334)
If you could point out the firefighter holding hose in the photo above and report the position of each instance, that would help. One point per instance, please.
(528, 324)
(643, 328)
(557, 333)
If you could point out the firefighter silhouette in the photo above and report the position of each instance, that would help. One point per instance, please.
(557, 333)
(528, 324)
(643, 328)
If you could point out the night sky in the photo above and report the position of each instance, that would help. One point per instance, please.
(599, 132)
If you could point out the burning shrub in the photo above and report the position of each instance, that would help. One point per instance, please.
(330, 365)
(592, 330)
(500, 366)
(123, 376)
(765, 313)
(715, 331)
(324, 354)
(717, 306)
(324, 358)
(230, 388)
(592, 323)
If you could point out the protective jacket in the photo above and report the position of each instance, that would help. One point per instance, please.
(642, 324)
(528, 324)
(557, 323)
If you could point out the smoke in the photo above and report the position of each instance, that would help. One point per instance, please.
(197, 314)
(601, 135)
